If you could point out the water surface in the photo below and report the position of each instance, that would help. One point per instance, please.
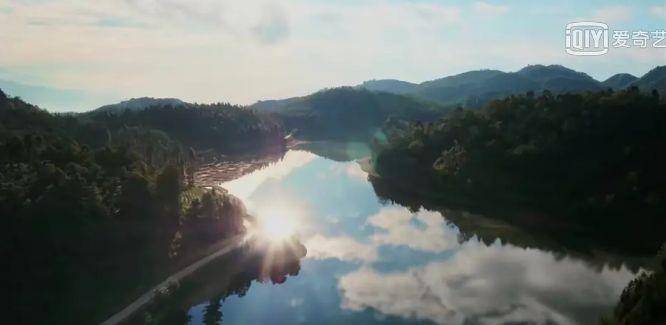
(370, 261)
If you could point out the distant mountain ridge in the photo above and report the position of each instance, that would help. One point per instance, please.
(389, 85)
(141, 103)
(654, 79)
(476, 88)
(619, 81)
(358, 111)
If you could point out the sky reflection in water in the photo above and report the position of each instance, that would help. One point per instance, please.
(370, 262)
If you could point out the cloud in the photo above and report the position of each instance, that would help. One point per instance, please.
(354, 170)
(350, 169)
(424, 230)
(613, 14)
(396, 226)
(342, 248)
(659, 11)
(489, 9)
(273, 27)
(433, 12)
(243, 51)
(488, 285)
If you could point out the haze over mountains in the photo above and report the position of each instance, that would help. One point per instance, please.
(470, 89)
(358, 112)
(475, 88)
(56, 99)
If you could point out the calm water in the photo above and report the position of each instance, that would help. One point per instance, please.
(372, 262)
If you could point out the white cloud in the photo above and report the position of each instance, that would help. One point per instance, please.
(349, 169)
(659, 11)
(613, 14)
(488, 285)
(489, 9)
(343, 248)
(209, 51)
(354, 170)
(424, 230)
(396, 226)
(243, 51)
(274, 25)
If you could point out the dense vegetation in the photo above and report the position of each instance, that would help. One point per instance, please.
(95, 211)
(346, 113)
(222, 127)
(643, 301)
(590, 163)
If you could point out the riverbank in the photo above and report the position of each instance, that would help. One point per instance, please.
(219, 249)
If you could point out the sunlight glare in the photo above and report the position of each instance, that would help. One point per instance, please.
(277, 227)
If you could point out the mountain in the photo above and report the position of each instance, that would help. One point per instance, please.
(389, 86)
(544, 73)
(476, 88)
(223, 127)
(346, 112)
(619, 81)
(359, 110)
(455, 90)
(559, 79)
(654, 79)
(136, 104)
(465, 78)
(274, 105)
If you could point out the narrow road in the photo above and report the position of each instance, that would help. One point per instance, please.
(220, 249)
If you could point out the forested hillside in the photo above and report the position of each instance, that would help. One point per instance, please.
(589, 159)
(109, 196)
(222, 127)
(347, 113)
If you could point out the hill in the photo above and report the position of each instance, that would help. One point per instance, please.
(475, 88)
(223, 127)
(71, 209)
(135, 104)
(589, 160)
(389, 85)
(654, 79)
(619, 81)
(347, 113)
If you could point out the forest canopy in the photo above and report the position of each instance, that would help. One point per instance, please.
(591, 159)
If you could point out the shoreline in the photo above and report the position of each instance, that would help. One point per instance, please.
(219, 249)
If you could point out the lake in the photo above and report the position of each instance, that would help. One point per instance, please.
(370, 261)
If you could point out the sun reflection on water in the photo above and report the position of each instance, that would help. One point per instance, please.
(277, 227)
(276, 224)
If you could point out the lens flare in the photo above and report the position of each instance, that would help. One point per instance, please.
(277, 228)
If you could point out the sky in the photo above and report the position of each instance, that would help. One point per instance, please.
(244, 51)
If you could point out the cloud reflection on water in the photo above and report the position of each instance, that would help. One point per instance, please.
(343, 248)
(424, 230)
(412, 265)
(493, 284)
